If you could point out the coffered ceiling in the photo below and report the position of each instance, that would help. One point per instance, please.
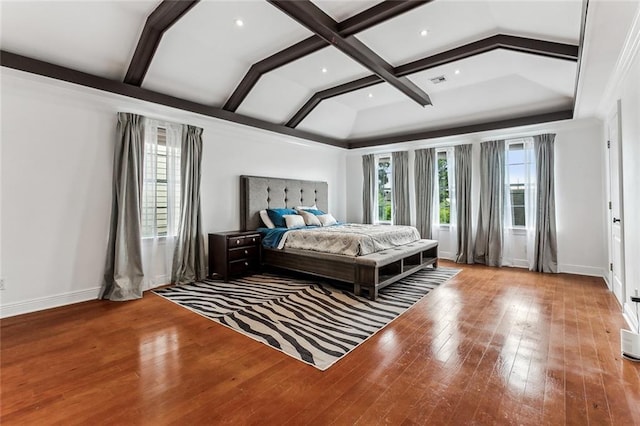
(346, 73)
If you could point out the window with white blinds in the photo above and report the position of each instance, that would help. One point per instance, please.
(161, 187)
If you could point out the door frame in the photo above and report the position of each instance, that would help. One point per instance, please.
(615, 115)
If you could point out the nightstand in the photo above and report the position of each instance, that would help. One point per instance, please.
(234, 253)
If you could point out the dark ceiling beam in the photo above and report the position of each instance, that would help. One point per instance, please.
(160, 20)
(329, 93)
(377, 14)
(46, 69)
(461, 130)
(364, 20)
(312, 17)
(500, 41)
(290, 54)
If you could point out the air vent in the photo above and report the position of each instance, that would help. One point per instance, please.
(439, 79)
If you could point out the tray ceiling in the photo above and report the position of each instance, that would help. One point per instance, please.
(347, 73)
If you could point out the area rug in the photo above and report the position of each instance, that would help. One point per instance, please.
(308, 319)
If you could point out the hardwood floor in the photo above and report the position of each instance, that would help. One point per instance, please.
(491, 346)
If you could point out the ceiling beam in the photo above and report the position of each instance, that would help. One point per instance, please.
(375, 15)
(46, 69)
(312, 17)
(500, 41)
(160, 20)
(461, 130)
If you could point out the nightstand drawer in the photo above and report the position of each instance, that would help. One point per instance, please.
(244, 265)
(241, 241)
(247, 252)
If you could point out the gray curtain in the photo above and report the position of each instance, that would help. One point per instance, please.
(368, 187)
(489, 236)
(462, 158)
(425, 185)
(188, 258)
(123, 270)
(400, 188)
(545, 246)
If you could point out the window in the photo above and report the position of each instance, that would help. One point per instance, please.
(161, 186)
(518, 168)
(384, 190)
(444, 199)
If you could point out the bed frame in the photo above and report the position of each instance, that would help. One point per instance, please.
(371, 272)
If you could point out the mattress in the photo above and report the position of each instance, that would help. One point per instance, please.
(349, 239)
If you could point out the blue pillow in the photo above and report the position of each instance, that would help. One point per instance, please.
(315, 212)
(276, 216)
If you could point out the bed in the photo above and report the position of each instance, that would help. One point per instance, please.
(368, 272)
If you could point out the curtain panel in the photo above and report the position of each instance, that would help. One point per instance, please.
(545, 244)
(368, 188)
(462, 158)
(425, 187)
(123, 269)
(489, 236)
(189, 259)
(400, 188)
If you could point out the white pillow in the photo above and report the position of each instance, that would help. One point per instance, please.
(327, 219)
(309, 218)
(293, 220)
(313, 207)
(266, 219)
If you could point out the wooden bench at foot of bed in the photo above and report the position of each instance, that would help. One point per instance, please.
(378, 270)
(371, 272)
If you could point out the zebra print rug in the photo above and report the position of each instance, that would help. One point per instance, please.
(310, 320)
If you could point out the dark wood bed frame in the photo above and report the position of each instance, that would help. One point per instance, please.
(371, 272)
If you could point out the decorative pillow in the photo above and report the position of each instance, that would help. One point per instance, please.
(309, 218)
(327, 219)
(315, 212)
(265, 219)
(276, 216)
(293, 220)
(313, 207)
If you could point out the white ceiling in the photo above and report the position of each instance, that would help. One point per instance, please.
(205, 55)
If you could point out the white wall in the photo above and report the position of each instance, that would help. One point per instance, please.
(56, 168)
(579, 190)
(625, 86)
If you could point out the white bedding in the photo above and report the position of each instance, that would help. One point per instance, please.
(349, 239)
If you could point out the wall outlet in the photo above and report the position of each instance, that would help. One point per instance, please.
(1, 283)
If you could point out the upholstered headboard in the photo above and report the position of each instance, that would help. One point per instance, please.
(258, 193)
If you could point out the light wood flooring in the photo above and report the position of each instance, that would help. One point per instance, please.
(491, 346)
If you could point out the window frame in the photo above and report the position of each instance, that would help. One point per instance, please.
(517, 229)
(161, 128)
(378, 158)
(439, 152)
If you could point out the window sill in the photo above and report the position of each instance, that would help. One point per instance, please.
(517, 230)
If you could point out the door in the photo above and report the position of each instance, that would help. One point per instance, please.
(616, 207)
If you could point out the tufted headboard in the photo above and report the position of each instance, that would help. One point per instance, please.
(258, 193)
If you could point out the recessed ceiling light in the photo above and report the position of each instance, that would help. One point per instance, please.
(424, 33)
(370, 95)
(324, 70)
(239, 23)
(456, 72)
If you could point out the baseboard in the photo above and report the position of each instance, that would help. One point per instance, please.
(591, 271)
(48, 302)
(447, 255)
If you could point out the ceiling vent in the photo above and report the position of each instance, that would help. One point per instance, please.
(439, 79)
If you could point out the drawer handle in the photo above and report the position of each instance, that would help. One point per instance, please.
(237, 241)
(253, 240)
(246, 252)
(246, 263)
